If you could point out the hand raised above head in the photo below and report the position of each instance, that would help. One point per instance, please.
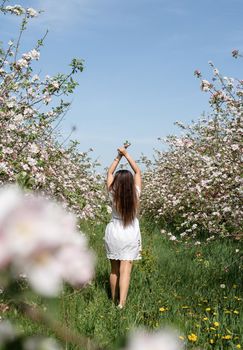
(122, 151)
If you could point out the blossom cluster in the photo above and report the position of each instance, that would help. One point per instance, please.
(195, 186)
(41, 241)
(19, 10)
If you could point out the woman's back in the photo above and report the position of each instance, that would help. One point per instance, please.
(124, 196)
(115, 213)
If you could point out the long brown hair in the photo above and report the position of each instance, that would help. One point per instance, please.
(124, 196)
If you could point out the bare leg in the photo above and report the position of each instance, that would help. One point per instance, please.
(124, 281)
(114, 278)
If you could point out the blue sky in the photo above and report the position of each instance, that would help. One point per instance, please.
(140, 56)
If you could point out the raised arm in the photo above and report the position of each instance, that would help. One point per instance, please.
(134, 166)
(111, 170)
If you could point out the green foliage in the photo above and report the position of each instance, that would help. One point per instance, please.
(189, 287)
(77, 65)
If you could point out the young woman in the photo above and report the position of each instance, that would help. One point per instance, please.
(122, 234)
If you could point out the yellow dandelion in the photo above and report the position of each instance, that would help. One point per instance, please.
(208, 309)
(211, 341)
(216, 324)
(227, 311)
(162, 309)
(238, 346)
(205, 318)
(213, 329)
(192, 337)
(227, 337)
(214, 313)
(236, 312)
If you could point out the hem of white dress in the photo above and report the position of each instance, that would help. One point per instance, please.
(127, 258)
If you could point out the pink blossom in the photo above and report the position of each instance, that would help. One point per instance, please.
(205, 85)
(159, 340)
(38, 238)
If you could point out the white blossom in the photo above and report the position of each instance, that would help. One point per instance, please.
(159, 340)
(32, 12)
(38, 238)
(31, 161)
(173, 238)
(34, 148)
(205, 85)
(235, 147)
(55, 84)
(35, 55)
(16, 9)
(22, 63)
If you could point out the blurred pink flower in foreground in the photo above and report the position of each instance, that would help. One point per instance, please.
(41, 240)
(8, 333)
(160, 340)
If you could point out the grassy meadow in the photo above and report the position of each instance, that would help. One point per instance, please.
(196, 289)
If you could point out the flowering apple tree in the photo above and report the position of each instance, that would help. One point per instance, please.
(31, 110)
(195, 187)
(41, 246)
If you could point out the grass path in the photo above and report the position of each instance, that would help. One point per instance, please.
(173, 284)
(197, 289)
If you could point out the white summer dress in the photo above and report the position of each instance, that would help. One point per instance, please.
(122, 243)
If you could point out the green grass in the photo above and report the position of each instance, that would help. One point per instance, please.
(174, 284)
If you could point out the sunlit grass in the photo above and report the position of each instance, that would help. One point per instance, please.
(197, 289)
